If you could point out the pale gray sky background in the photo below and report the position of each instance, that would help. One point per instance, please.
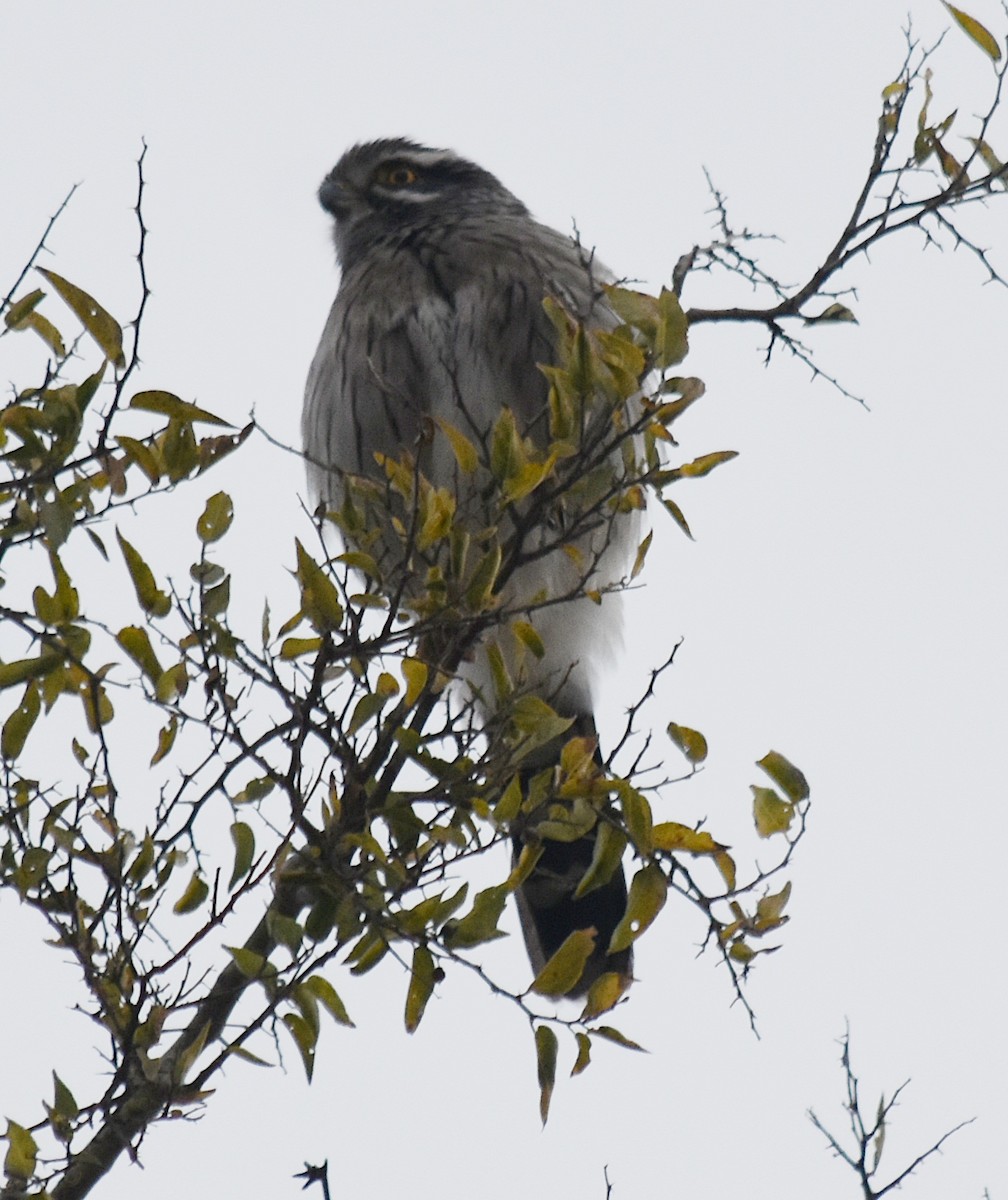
(844, 601)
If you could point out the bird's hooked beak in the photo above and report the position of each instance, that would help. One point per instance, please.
(337, 197)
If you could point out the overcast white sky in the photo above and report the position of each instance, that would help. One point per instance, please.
(844, 601)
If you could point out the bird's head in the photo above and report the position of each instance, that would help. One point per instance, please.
(394, 187)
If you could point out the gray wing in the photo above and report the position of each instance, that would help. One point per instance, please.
(409, 341)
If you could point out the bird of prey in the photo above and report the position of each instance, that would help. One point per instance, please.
(440, 317)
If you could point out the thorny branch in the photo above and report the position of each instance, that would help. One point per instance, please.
(896, 196)
(864, 1148)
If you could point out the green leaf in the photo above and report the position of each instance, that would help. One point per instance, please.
(535, 719)
(190, 1054)
(285, 931)
(690, 741)
(676, 513)
(146, 457)
(671, 344)
(215, 519)
(480, 923)
(421, 985)
(152, 601)
(22, 1152)
(583, 1054)
(244, 844)
(607, 854)
(15, 315)
(507, 454)
(23, 669)
(786, 775)
(365, 710)
(19, 724)
(64, 1103)
(305, 1038)
(833, 314)
(102, 327)
(166, 739)
(975, 31)
(195, 893)
(614, 1035)
(771, 812)
(546, 1062)
(169, 405)
(325, 993)
(250, 964)
(564, 968)
(480, 587)
(173, 683)
(648, 893)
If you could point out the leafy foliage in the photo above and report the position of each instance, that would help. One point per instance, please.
(326, 780)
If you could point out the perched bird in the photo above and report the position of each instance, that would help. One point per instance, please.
(439, 317)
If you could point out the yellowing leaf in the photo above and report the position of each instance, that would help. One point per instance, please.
(528, 635)
(415, 673)
(215, 519)
(676, 513)
(769, 909)
(690, 741)
(152, 600)
(169, 405)
(726, 865)
(244, 844)
(705, 464)
(648, 893)
(614, 1035)
(771, 812)
(637, 815)
(462, 447)
(974, 30)
(136, 642)
(583, 1054)
(166, 739)
(604, 994)
(786, 775)
(671, 836)
(642, 550)
(319, 597)
(196, 892)
(22, 1150)
(102, 327)
(566, 966)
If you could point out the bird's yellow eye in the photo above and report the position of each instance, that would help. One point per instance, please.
(397, 175)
